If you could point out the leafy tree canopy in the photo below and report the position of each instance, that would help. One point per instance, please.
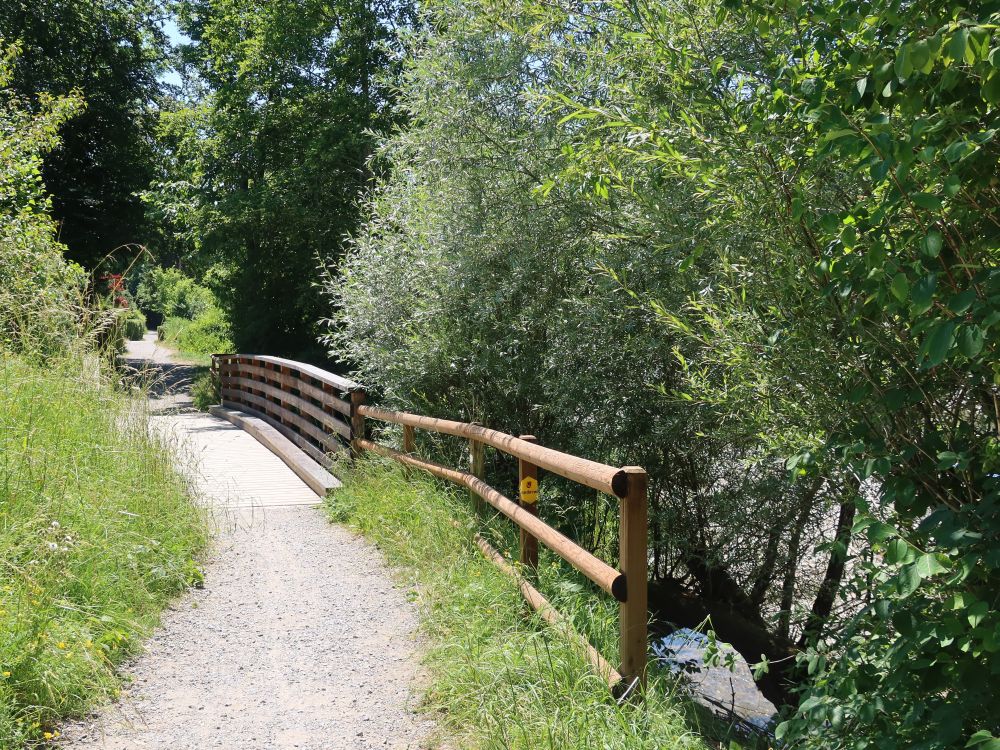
(106, 52)
(265, 170)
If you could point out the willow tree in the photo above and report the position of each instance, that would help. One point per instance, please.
(759, 258)
(859, 332)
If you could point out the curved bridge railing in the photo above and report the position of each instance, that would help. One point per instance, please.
(323, 414)
(310, 406)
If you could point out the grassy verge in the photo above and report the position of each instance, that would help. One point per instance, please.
(499, 679)
(97, 532)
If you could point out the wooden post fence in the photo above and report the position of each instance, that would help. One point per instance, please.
(357, 419)
(477, 469)
(322, 413)
(633, 561)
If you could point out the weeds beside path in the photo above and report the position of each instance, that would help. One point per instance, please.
(97, 533)
(498, 678)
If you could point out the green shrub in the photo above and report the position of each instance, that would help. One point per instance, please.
(204, 392)
(135, 324)
(40, 292)
(92, 546)
(169, 292)
(170, 328)
(209, 333)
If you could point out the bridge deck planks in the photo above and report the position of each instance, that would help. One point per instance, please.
(228, 467)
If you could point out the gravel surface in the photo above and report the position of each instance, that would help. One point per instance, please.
(167, 377)
(299, 639)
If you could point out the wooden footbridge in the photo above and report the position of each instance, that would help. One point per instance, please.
(308, 416)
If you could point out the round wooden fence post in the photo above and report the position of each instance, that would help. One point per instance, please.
(409, 444)
(527, 482)
(634, 563)
(477, 468)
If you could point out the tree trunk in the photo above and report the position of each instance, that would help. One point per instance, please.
(766, 573)
(828, 589)
(792, 561)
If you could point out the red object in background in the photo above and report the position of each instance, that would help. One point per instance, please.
(116, 287)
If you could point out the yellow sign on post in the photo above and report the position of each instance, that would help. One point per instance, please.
(529, 490)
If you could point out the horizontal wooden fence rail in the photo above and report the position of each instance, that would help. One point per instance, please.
(607, 479)
(611, 581)
(628, 584)
(322, 413)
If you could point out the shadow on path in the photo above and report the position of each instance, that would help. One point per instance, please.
(168, 383)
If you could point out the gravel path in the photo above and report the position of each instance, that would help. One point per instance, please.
(299, 638)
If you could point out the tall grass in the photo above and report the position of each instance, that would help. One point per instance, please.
(499, 679)
(97, 532)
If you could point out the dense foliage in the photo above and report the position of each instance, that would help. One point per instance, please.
(753, 248)
(187, 315)
(904, 100)
(265, 166)
(38, 288)
(168, 292)
(106, 52)
(209, 333)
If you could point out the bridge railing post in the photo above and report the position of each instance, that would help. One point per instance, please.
(213, 376)
(634, 563)
(477, 467)
(357, 420)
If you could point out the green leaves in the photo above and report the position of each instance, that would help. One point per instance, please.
(928, 565)
(904, 63)
(877, 531)
(971, 341)
(938, 343)
(928, 201)
(922, 235)
(907, 581)
(932, 243)
(899, 551)
(923, 294)
(958, 47)
(977, 613)
(991, 88)
(900, 287)
(983, 740)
